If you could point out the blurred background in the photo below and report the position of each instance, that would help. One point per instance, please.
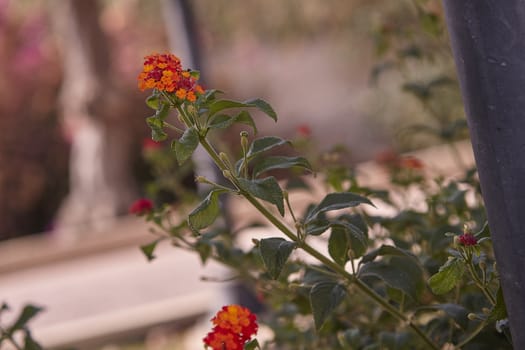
(365, 74)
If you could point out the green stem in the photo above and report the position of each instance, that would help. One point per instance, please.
(480, 285)
(317, 255)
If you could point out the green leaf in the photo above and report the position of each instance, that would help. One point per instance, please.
(246, 118)
(499, 311)
(149, 249)
(264, 144)
(317, 226)
(221, 121)
(252, 345)
(206, 212)
(278, 162)
(324, 298)
(447, 277)
(266, 189)
(220, 105)
(401, 273)
(263, 106)
(318, 273)
(334, 201)
(275, 251)
(338, 245)
(163, 111)
(204, 250)
(156, 125)
(186, 145)
(153, 101)
(28, 312)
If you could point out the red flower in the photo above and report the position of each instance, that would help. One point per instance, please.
(141, 206)
(467, 239)
(234, 326)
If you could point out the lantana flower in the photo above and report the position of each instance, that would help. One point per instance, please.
(164, 72)
(234, 325)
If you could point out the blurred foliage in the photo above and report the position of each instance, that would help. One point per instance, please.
(33, 152)
(411, 41)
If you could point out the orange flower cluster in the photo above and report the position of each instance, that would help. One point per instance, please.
(164, 73)
(234, 326)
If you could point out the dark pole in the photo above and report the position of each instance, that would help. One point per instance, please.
(488, 41)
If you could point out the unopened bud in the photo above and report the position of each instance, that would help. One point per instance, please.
(244, 140)
(227, 174)
(224, 157)
(471, 316)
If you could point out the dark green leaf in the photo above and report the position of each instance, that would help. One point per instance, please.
(401, 273)
(206, 212)
(317, 226)
(163, 111)
(186, 145)
(334, 201)
(221, 121)
(275, 251)
(263, 106)
(346, 236)
(221, 105)
(266, 189)
(30, 343)
(271, 163)
(338, 245)
(27, 314)
(448, 276)
(149, 249)
(264, 144)
(252, 345)
(457, 312)
(358, 240)
(324, 298)
(204, 250)
(245, 118)
(156, 125)
(316, 275)
(386, 250)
